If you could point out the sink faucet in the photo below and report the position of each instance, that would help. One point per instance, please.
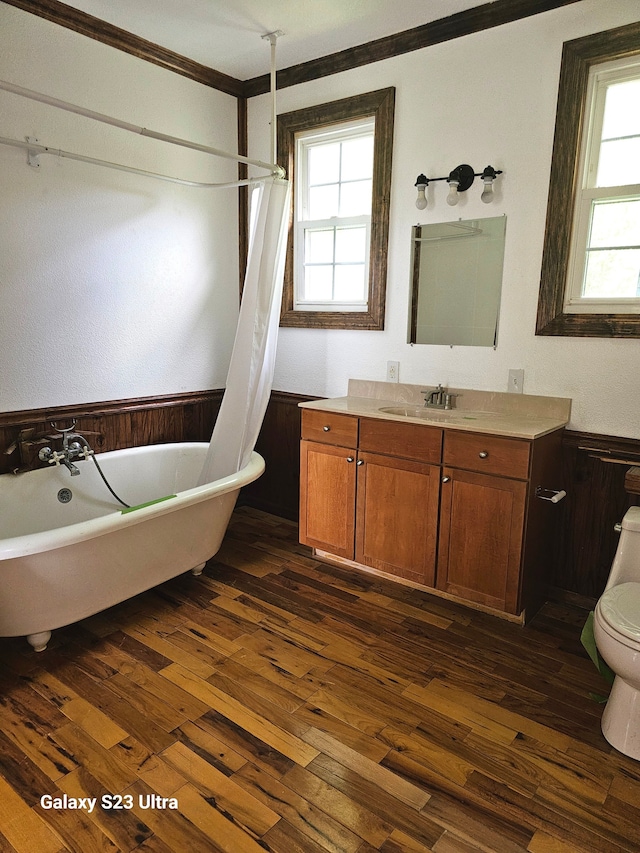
(439, 398)
(78, 449)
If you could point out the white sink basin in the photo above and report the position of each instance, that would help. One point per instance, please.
(426, 414)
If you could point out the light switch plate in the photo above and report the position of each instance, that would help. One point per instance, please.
(516, 382)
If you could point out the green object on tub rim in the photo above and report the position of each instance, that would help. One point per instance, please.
(148, 503)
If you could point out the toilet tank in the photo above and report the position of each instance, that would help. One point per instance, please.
(626, 562)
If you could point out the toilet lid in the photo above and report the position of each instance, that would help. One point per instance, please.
(620, 607)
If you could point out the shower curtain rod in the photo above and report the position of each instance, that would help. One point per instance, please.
(273, 169)
(36, 148)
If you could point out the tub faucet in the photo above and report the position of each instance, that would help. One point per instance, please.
(78, 448)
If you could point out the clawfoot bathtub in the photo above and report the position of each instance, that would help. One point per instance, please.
(67, 550)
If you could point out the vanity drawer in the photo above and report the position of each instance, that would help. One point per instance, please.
(410, 441)
(508, 457)
(330, 428)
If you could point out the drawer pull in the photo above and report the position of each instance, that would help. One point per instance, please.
(446, 479)
(349, 458)
(483, 454)
(360, 462)
(326, 428)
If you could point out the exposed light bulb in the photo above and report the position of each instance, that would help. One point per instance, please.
(422, 183)
(487, 192)
(452, 198)
(488, 177)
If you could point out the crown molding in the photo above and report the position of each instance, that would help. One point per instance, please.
(474, 20)
(94, 28)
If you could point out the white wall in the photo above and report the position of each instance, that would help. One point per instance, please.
(485, 98)
(111, 285)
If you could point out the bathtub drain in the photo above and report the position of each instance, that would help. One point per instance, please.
(64, 496)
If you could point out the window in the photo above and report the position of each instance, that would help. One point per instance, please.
(339, 158)
(333, 222)
(590, 283)
(604, 268)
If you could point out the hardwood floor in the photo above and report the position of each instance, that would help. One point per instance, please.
(284, 705)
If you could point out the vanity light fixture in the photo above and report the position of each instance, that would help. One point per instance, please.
(459, 180)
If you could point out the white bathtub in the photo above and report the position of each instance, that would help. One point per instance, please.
(61, 562)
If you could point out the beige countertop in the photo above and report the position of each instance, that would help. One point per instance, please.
(514, 415)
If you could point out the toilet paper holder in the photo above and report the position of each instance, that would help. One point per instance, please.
(552, 495)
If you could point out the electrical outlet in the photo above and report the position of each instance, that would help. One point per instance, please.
(516, 382)
(393, 371)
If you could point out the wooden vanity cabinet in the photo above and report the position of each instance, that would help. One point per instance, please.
(398, 487)
(359, 502)
(494, 545)
(448, 509)
(328, 453)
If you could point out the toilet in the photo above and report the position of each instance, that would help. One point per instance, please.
(617, 635)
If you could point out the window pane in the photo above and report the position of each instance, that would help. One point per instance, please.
(357, 158)
(324, 163)
(355, 198)
(350, 284)
(323, 202)
(351, 245)
(318, 284)
(615, 223)
(622, 110)
(612, 274)
(319, 246)
(619, 162)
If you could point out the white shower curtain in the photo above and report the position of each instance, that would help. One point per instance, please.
(254, 350)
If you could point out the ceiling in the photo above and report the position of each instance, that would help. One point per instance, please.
(226, 34)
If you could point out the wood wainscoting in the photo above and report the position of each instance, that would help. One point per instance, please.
(115, 424)
(593, 469)
(278, 489)
(593, 474)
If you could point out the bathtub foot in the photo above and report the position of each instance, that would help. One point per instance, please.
(197, 570)
(39, 641)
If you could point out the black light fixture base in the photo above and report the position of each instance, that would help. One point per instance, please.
(465, 175)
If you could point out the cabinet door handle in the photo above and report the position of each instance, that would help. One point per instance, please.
(483, 454)
(349, 458)
(360, 462)
(446, 479)
(326, 428)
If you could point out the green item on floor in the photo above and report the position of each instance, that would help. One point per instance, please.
(588, 640)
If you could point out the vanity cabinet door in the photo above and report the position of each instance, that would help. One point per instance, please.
(481, 535)
(327, 497)
(397, 516)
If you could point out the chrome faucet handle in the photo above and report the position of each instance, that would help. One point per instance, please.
(449, 400)
(52, 457)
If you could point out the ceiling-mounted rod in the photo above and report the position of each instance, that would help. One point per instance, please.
(273, 38)
(36, 149)
(273, 168)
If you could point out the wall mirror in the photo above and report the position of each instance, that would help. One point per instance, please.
(457, 281)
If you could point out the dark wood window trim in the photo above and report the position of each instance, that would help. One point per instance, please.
(577, 58)
(379, 104)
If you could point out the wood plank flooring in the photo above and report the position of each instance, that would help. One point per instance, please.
(288, 706)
